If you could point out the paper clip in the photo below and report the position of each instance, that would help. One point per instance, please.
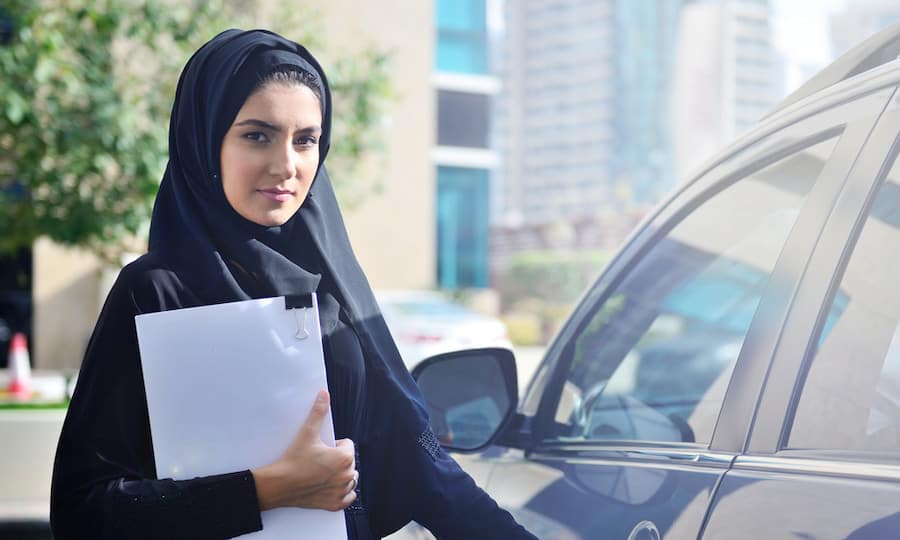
(302, 331)
(299, 303)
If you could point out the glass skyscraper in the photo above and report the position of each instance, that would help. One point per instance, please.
(587, 117)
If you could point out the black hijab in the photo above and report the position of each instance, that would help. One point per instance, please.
(216, 251)
(223, 257)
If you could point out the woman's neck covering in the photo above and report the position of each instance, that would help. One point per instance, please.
(223, 257)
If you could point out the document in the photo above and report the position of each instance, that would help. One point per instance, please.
(228, 387)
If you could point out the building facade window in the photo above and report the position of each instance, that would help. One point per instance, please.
(462, 36)
(463, 119)
(462, 215)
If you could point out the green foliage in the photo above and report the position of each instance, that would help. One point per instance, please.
(546, 285)
(524, 329)
(361, 88)
(87, 87)
(554, 276)
(9, 406)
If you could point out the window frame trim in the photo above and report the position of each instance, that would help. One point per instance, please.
(796, 350)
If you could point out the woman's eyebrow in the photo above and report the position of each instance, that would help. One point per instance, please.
(257, 123)
(273, 127)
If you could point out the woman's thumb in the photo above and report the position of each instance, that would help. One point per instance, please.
(313, 423)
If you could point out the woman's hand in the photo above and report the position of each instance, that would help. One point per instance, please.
(310, 474)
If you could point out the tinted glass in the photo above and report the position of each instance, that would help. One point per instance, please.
(466, 397)
(851, 396)
(461, 36)
(462, 227)
(655, 360)
(463, 119)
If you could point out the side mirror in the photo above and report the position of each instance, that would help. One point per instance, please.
(470, 395)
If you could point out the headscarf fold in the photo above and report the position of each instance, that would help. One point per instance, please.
(223, 257)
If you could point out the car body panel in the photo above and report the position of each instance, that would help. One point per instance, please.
(803, 503)
(581, 493)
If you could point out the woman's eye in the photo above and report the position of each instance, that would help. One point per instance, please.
(305, 141)
(256, 136)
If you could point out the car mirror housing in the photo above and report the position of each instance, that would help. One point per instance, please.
(470, 395)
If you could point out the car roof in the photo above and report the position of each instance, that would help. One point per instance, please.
(876, 51)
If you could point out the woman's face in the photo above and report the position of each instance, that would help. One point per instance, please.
(270, 153)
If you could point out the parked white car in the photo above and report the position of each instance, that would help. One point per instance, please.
(426, 323)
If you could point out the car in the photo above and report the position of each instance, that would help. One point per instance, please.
(734, 372)
(426, 323)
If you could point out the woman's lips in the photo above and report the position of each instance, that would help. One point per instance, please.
(279, 195)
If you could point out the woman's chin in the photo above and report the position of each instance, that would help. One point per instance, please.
(271, 218)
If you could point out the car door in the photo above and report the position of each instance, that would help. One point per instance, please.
(823, 460)
(647, 394)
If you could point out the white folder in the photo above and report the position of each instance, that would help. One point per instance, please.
(228, 387)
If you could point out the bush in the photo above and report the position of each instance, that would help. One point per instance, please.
(553, 276)
(524, 329)
(545, 285)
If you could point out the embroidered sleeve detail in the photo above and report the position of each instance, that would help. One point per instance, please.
(429, 442)
(356, 507)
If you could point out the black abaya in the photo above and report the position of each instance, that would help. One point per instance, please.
(202, 252)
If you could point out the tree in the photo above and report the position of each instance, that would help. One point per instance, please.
(87, 87)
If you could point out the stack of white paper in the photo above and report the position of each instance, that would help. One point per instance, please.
(228, 387)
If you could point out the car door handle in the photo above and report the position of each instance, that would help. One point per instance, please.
(684, 456)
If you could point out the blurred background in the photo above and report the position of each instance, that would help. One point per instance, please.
(500, 149)
(497, 152)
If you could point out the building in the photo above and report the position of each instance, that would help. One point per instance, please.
(463, 157)
(726, 77)
(585, 131)
(397, 221)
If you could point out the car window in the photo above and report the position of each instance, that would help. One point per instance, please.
(653, 362)
(850, 399)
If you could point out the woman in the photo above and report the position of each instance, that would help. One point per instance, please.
(246, 210)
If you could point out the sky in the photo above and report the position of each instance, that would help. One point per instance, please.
(801, 26)
(801, 35)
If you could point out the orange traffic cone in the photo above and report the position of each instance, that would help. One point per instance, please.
(19, 367)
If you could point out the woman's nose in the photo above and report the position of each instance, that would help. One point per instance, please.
(283, 164)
